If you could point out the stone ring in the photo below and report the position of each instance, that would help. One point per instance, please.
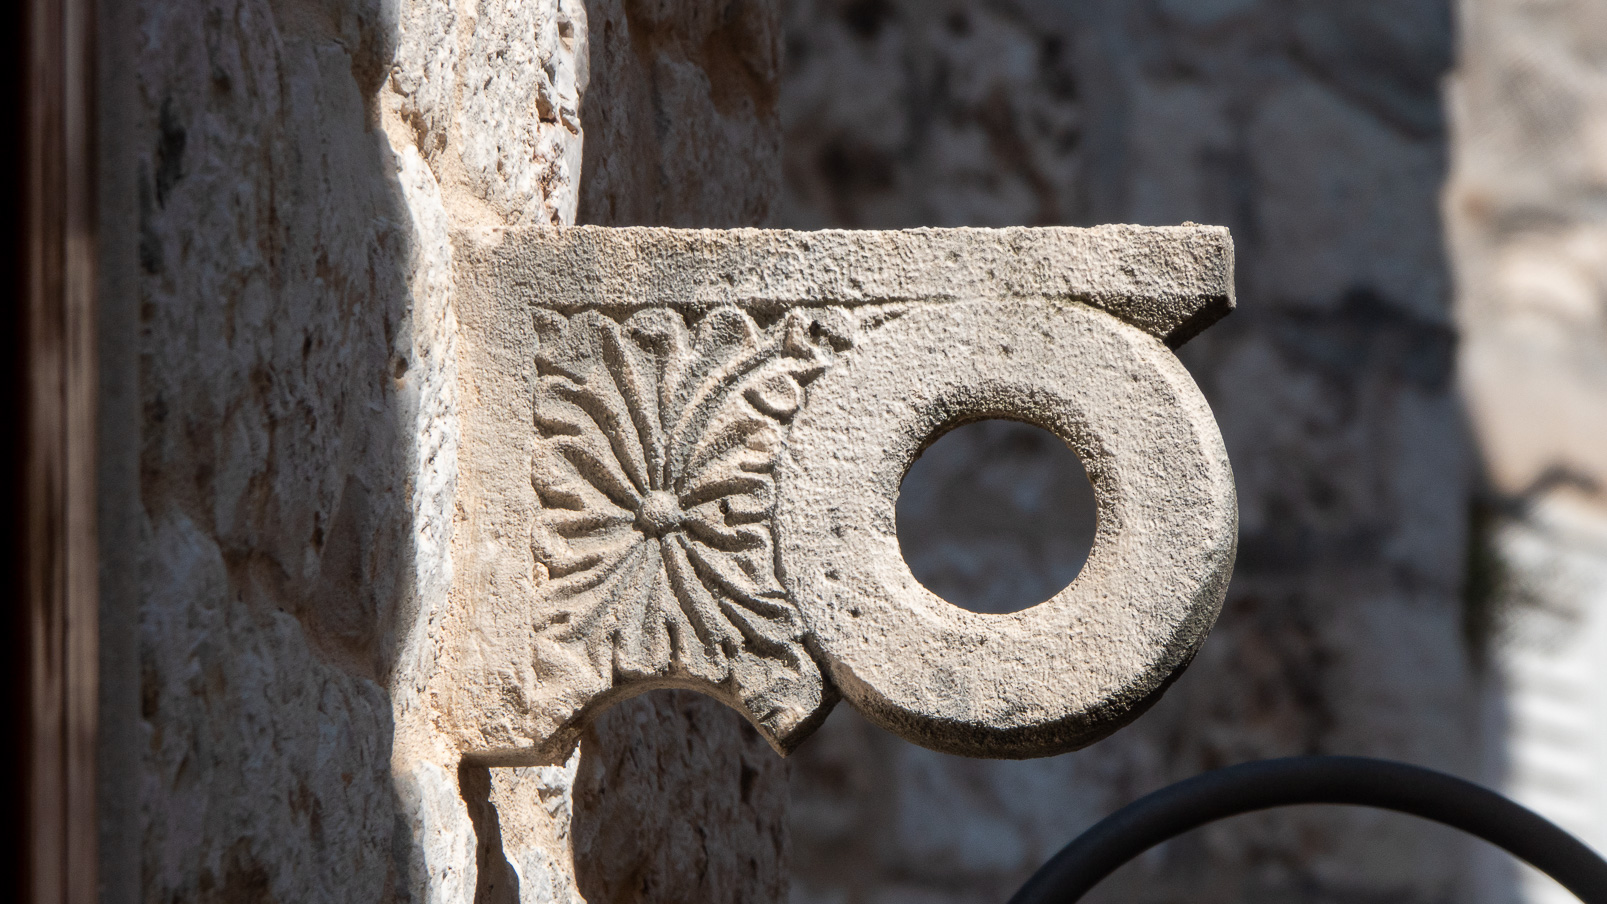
(1067, 672)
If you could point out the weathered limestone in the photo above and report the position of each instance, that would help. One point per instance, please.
(252, 122)
(681, 130)
(1529, 243)
(684, 448)
(1309, 129)
(1059, 675)
(288, 339)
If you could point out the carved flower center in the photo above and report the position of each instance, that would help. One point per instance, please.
(659, 514)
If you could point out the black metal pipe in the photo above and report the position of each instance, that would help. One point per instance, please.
(1355, 781)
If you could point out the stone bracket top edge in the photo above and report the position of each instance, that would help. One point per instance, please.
(1170, 281)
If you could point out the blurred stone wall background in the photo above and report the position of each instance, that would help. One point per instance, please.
(1317, 132)
(1424, 568)
(1526, 208)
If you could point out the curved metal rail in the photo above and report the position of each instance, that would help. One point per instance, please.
(1355, 781)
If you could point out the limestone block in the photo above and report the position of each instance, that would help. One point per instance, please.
(682, 449)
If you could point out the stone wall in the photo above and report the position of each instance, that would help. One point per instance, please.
(1316, 132)
(1529, 239)
(677, 798)
(295, 460)
(1530, 99)
(292, 171)
(282, 185)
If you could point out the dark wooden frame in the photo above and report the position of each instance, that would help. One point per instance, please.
(49, 488)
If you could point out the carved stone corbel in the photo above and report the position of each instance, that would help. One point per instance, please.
(682, 450)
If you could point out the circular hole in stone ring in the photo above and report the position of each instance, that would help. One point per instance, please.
(996, 515)
(1065, 672)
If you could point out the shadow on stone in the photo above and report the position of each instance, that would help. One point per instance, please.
(496, 882)
(678, 799)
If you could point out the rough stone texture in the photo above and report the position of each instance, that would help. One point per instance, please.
(288, 492)
(1064, 673)
(681, 113)
(688, 755)
(682, 130)
(297, 168)
(938, 132)
(674, 436)
(1312, 130)
(1170, 283)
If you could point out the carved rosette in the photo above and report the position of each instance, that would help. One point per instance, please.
(657, 437)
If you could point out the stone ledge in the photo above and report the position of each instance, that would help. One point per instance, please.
(1170, 281)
